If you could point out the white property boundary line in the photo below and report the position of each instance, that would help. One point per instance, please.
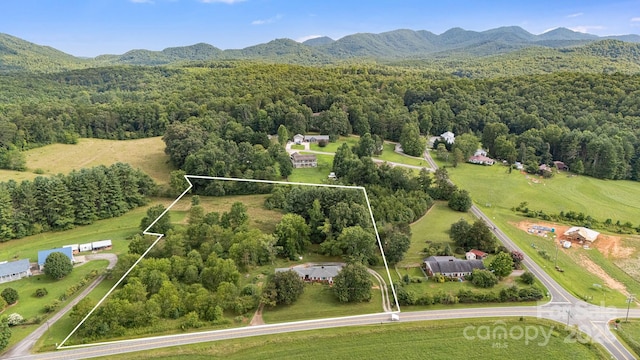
(160, 236)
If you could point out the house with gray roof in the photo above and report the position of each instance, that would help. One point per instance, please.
(42, 255)
(450, 266)
(315, 272)
(14, 270)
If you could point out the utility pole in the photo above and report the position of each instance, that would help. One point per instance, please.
(629, 300)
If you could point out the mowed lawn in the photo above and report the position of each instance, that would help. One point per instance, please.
(316, 175)
(145, 154)
(389, 154)
(602, 199)
(415, 340)
(433, 226)
(333, 146)
(317, 302)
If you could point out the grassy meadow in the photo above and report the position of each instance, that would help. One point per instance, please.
(496, 191)
(629, 334)
(388, 154)
(413, 340)
(146, 154)
(333, 146)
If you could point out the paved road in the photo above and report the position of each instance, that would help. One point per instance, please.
(563, 307)
(26, 344)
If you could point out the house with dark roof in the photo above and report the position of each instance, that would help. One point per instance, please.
(450, 266)
(42, 255)
(14, 270)
(561, 166)
(315, 272)
(303, 161)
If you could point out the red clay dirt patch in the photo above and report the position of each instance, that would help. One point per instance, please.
(609, 245)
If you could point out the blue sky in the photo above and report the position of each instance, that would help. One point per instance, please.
(93, 27)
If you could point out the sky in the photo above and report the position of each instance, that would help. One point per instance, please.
(93, 27)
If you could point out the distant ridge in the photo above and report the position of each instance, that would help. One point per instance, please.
(18, 55)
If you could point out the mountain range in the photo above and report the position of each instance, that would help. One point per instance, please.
(17, 54)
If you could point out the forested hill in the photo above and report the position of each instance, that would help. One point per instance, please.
(456, 43)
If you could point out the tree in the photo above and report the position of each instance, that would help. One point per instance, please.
(458, 157)
(292, 233)
(527, 278)
(57, 265)
(395, 244)
(354, 243)
(366, 146)
(162, 226)
(502, 265)
(5, 332)
(412, 143)
(10, 295)
(517, 257)
(288, 287)
(353, 284)
(483, 278)
(283, 135)
(460, 200)
(459, 231)
(467, 143)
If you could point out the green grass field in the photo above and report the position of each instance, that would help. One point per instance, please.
(30, 306)
(333, 146)
(629, 334)
(434, 227)
(388, 154)
(496, 191)
(416, 340)
(316, 175)
(146, 154)
(317, 302)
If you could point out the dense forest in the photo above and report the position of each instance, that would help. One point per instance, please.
(63, 201)
(589, 121)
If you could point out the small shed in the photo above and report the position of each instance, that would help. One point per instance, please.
(86, 247)
(101, 245)
(75, 248)
(298, 138)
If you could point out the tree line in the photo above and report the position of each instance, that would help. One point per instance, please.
(63, 201)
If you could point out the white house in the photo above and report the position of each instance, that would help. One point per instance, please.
(449, 137)
(298, 139)
(86, 247)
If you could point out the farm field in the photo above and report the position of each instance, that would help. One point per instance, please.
(446, 340)
(496, 191)
(145, 154)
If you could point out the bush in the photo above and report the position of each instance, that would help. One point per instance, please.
(10, 295)
(57, 265)
(52, 306)
(527, 278)
(40, 292)
(483, 278)
(15, 319)
(322, 143)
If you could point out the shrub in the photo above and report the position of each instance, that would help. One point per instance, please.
(10, 295)
(322, 143)
(527, 278)
(15, 319)
(52, 306)
(41, 292)
(484, 278)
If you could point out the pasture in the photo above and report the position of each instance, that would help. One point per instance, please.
(496, 191)
(145, 154)
(443, 339)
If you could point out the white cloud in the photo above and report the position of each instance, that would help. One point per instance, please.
(635, 19)
(267, 21)
(587, 28)
(575, 15)
(308, 37)
(230, 2)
